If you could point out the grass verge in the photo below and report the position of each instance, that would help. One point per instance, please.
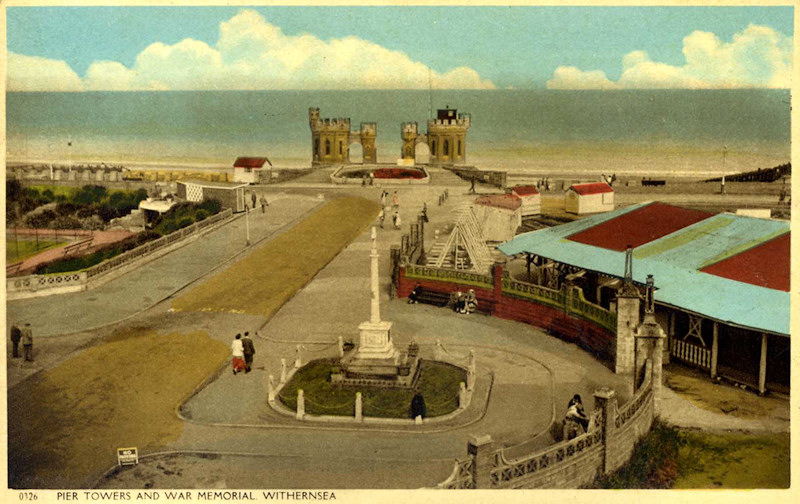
(65, 423)
(438, 382)
(20, 250)
(262, 282)
(671, 458)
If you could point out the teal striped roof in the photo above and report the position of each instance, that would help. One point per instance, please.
(674, 260)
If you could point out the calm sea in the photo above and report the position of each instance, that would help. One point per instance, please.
(539, 131)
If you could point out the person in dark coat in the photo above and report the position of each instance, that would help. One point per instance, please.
(16, 336)
(418, 405)
(27, 342)
(249, 351)
(253, 198)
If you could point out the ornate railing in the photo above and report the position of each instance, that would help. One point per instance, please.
(691, 354)
(461, 477)
(34, 283)
(448, 275)
(506, 471)
(152, 246)
(643, 395)
(43, 282)
(533, 292)
(592, 312)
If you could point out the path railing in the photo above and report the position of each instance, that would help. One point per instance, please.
(73, 281)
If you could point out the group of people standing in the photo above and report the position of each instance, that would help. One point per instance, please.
(395, 208)
(242, 351)
(25, 336)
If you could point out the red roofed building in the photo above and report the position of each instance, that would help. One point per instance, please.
(247, 169)
(530, 198)
(593, 197)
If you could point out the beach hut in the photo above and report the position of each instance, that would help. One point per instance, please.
(593, 197)
(230, 195)
(530, 199)
(499, 216)
(247, 170)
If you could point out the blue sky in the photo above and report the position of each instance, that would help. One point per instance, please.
(520, 47)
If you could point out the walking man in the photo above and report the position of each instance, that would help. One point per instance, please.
(381, 217)
(16, 336)
(27, 342)
(253, 198)
(395, 201)
(249, 351)
(264, 204)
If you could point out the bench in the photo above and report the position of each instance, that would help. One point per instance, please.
(428, 296)
(78, 245)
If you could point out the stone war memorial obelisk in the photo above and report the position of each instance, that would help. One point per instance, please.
(375, 361)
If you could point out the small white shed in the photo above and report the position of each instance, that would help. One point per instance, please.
(592, 197)
(530, 198)
(247, 170)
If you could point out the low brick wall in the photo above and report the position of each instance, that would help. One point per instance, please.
(552, 313)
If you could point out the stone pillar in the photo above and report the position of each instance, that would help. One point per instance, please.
(437, 350)
(283, 370)
(482, 451)
(297, 360)
(301, 405)
(627, 321)
(341, 347)
(714, 350)
(605, 401)
(497, 290)
(762, 367)
(462, 396)
(359, 407)
(271, 388)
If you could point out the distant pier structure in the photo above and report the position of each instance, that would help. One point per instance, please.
(446, 137)
(331, 139)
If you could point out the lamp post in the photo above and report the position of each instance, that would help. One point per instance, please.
(724, 153)
(247, 224)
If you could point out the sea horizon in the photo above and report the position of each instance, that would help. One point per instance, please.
(696, 133)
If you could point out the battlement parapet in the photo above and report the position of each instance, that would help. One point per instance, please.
(368, 129)
(463, 121)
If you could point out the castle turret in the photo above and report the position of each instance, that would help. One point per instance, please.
(447, 136)
(409, 133)
(367, 135)
(330, 139)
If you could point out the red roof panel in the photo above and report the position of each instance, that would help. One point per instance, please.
(506, 201)
(639, 226)
(250, 162)
(591, 188)
(525, 190)
(767, 265)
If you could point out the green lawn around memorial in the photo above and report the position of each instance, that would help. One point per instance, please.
(263, 281)
(438, 383)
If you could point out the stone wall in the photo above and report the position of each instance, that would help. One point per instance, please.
(605, 447)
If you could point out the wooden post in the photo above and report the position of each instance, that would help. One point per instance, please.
(462, 396)
(714, 350)
(341, 347)
(271, 385)
(762, 368)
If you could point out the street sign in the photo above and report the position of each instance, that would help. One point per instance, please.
(127, 456)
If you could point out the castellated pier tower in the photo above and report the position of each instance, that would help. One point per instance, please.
(410, 135)
(447, 137)
(331, 139)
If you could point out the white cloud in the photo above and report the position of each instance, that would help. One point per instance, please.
(32, 73)
(756, 57)
(252, 53)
